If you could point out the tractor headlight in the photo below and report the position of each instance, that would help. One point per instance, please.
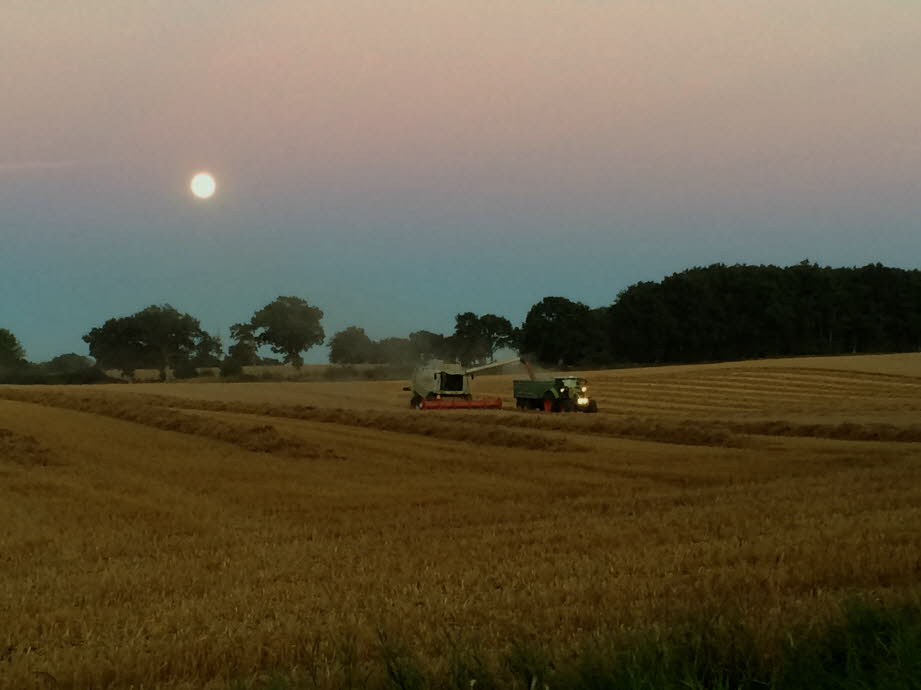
(582, 400)
(584, 388)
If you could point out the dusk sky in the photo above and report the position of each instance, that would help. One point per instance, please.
(398, 162)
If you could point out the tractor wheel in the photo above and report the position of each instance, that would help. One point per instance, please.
(567, 406)
(592, 406)
(551, 404)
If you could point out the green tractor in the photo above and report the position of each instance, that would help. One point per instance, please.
(562, 394)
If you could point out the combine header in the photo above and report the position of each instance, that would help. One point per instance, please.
(459, 404)
(442, 385)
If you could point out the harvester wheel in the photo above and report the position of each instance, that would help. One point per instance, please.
(416, 402)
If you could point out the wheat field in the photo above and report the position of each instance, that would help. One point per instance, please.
(184, 534)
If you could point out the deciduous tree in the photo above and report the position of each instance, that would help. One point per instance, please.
(208, 351)
(159, 337)
(351, 346)
(559, 331)
(427, 345)
(476, 338)
(290, 326)
(395, 351)
(11, 352)
(71, 363)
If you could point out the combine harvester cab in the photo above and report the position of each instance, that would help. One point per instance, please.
(442, 385)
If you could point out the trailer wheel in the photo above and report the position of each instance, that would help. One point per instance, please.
(521, 403)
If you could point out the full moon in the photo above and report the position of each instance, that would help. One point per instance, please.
(203, 185)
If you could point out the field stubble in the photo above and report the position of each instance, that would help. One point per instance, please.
(179, 535)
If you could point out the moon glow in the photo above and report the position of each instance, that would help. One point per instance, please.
(203, 185)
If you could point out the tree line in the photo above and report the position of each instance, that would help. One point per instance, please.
(742, 312)
(475, 340)
(711, 313)
(161, 337)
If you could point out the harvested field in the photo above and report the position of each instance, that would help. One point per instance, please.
(181, 535)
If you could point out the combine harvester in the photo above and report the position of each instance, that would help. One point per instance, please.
(442, 385)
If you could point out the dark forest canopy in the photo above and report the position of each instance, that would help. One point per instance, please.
(702, 314)
(741, 312)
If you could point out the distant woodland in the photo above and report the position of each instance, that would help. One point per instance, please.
(742, 312)
(703, 314)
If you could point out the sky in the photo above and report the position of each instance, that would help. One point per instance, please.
(397, 162)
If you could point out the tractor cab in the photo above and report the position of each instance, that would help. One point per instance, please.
(574, 389)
